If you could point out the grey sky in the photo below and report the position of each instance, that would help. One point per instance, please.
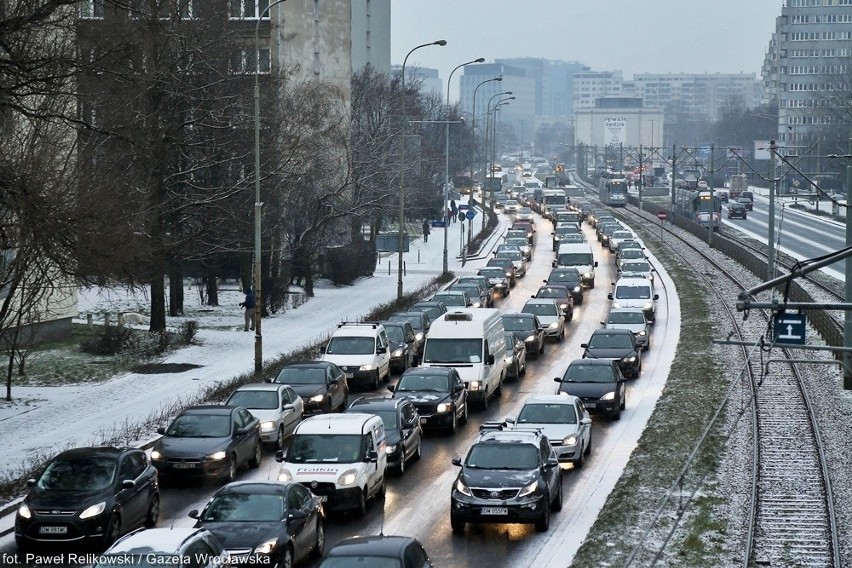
(635, 36)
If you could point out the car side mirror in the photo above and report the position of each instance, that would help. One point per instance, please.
(458, 388)
(194, 514)
(585, 421)
(288, 406)
(656, 296)
(372, 456)
(279, 455)
(128, 484)
(391, 388)
(270, 380)
(161, 430)
(509, 420)
(596, 264)
(551, 462)
(557, 379)
(242, 431)
(584, 345)
(609, 295)
(553, 264)
(490, 359)
(532, 296)
(296, 516)
(380, 350)
(456, 461)
(31, 482)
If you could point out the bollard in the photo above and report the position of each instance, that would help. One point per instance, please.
(90, 322)
(403, 269)
(389, 269)
(418, 256)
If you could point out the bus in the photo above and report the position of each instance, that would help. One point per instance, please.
(494, 182)
(613, 192)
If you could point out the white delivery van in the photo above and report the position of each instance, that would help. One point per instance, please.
(472, 341)
(631, 292)
(361, 350)
(579, 256)
(341, 458)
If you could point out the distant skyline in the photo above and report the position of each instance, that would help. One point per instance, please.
(633, 36)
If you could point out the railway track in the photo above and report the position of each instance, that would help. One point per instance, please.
(791, 517)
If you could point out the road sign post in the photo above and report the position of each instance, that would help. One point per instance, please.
(662, 216)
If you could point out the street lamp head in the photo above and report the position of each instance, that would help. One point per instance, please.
(500, 78)
(480, 60)
(441, 42)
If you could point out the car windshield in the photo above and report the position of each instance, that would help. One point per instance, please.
(633, 293)
(395, 333)
(636, 267)
(563, 231)
(575, 259)
(242, 507)
(518, 324)
(301, 376)
(433, 311)
(415, 320)
(610, 341)
(255, 399)
(525, 211)
(200, 426)
(502, 456)
(516, 242)
(551, 293)
(79, 473)
(589, 374)
(547, 414)
(492, 272)
(351, 346)
(622, 235)
(451, 299)
(388, 416)
(367, 561)
(514, 233)
(418, 382)
(453, 351)
(471, 289)
(549, 309)
(627, 254)
(626, 317)
(510, 254)
(317, 448)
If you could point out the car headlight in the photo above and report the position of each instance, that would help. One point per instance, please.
(217, 456)
(648, 306)
(577, 288)
(267, 426)
(93, 511)
(530, 338)
(396, 353)
(529, 489)
(317, 398)
(508, 275)
(641, 333)
(616, 305)
(631, 359)
(24, 511)
(443, 407)
(609, 396)
(389, 449)
(463, 489)
(473, 385)
(555, 238)
(366, 367)
(554, 325)
(588, 274)
(266, 547)
(510, 358)
(285, 476)
(563, 306)
(156, 456)
(569, 440)
(418, 336)
(347, 477)
(476, 305)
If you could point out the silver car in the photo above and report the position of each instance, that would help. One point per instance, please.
(632, 319)
(517, 258)
(277, 406)
(565, 422)
(549, 315)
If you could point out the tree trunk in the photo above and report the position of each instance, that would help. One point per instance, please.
(9, 375)
(175, 288)
(212, 288)
(309, 276)
(158, 304)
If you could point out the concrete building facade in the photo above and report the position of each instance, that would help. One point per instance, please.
(698, 95)
(618, 121)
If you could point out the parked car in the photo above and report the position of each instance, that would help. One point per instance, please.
(516, 356)
(376, 551)
(508, 476)
(265, 522)
(403, 433)
(438, 394)
(277, 406)
(599, 383)
(564, 421)
(528, 329)
(211, 441)
(147, 547)
(549, 315)
(562, 295)
(88, 496)
(618, 344)
(403, 345)
(737, 210)
(321, 384)
(632, 319)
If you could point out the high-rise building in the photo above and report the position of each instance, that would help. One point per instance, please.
(810, 48)
(592, 85)
(428, 78)
(554, 85)
(699, 95)
(520, 114)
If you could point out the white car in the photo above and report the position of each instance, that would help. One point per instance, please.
(524, 214)
(511, 207)
(619, 237)
(563, 420)
(632, 319)
(277, 406)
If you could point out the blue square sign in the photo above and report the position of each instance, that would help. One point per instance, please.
(471, 214)
(789, 328)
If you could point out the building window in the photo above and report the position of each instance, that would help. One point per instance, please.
(249, 9)
(180, 8)
(92, 9)
(243, 61)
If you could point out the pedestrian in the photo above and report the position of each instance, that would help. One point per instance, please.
(450, 217)
(249, 305)
(426, 230)
(453, 207)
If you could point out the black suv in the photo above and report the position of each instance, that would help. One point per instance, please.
(321, 384)
(438, 393)
(598, 383)
(88, 496)
(403, 433)
(508, 476)
(618, 344)
(528, 329)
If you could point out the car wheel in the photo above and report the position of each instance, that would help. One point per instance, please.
(591, 284)
(561, 335)
(279, 444)
(418, 450)
(343, 403)
(287, 558)
(617, 414)
(362, 503)
(375, 384)
(581, 461)
(523, 370)
(319, 544)
(498, 392)
(383, 488)
(113, 530)
(231, 474)
(541, 348)
(153, 515)
(543, 523)
(401, 468)
(457, 525)
(454, 423)
(589, 447)
(464, 414)
(254, 462)
(556, 506)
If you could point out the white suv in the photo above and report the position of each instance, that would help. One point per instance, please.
(361, 351)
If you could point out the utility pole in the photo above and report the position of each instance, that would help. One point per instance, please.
(712, 207)
(847, 323)
(640, 177)
(674, 173)
(770, 257)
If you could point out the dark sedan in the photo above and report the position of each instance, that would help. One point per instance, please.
(321, 384)
(528, 329)
(561, 294)
(211, 441)
(570, 277)
(618, 344)
(598, 383)
(377, 551)
(88, 496)
(516, 356)
(508, 267)
(432, 309)
(498, 282)
(403, 433)
(262, 523)
(737, 210)
(438, 394)
(420, 322)
(402, 345)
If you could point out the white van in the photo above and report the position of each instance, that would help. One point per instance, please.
(472, 341)
(361, 351)
(635, 293)
(579, 256)
(341, 458)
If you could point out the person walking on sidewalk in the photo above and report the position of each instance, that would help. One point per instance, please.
(453, 207)
(426, 230)
(249, 304)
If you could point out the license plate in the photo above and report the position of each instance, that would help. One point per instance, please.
(423, 420)
(53, 530)
(495, 511)
(349, 375)
(184, 466)
(323, 498)
(590, 404)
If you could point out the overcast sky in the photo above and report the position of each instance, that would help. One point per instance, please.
(635, 36)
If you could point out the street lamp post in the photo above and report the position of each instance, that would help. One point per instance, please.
(501, 102)
(401, 219)
(473, 129)
(447, 160)
(485, 168)
(258, 205)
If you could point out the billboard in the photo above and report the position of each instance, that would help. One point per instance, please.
(761, 150)
(615, 129)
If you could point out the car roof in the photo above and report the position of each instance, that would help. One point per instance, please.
(259, 387)
(550, 399)
(509, 436)
(268, 487)
(442, 371)
(210, 409)
(387, 403)
(92, 451)
(309, 364)
(602, 362)
(540, 301)
(624, 310)
(633, 281)
(155, 540)
(611, 331)
(381, 545)
(518, 315)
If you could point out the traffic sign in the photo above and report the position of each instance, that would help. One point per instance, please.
(789, 328)
(462, 216)
(463, 206)
(438, 224)
(662, 215)
(471, 214)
